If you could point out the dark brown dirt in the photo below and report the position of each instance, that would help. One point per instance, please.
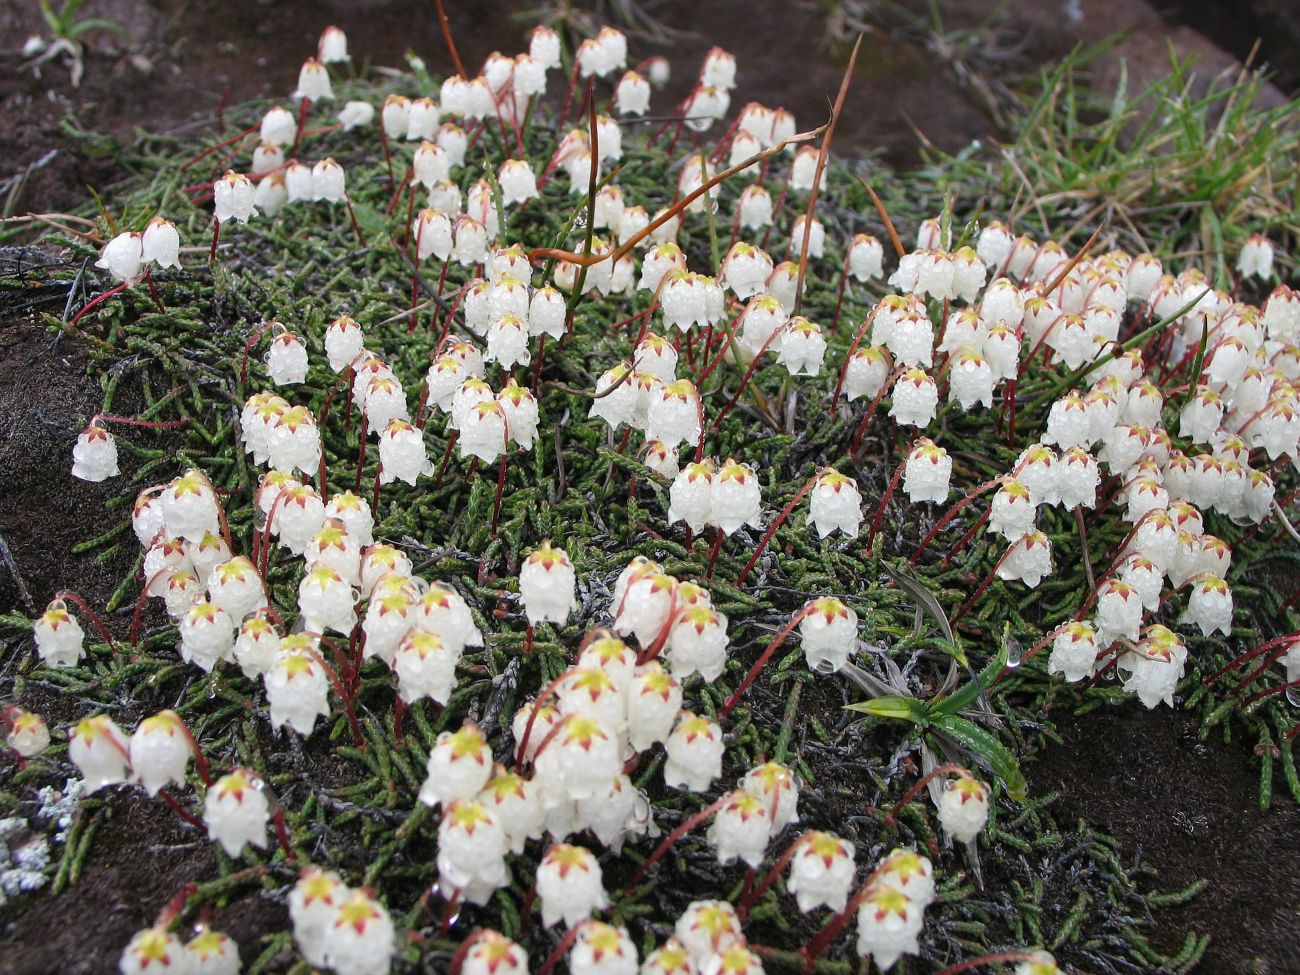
(1189, 808)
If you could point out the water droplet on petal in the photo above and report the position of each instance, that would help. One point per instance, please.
(1013, 653)
(1293, 696)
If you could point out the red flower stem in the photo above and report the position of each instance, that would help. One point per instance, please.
(501, 487)
(449, 913)
(728, 341)
(755, 894)
(181, 811)
(861, 431)
(153, 292)
(761, 662)
(388, 155)
(216, 235)
(361, 452)
(302, 124)
(758, 356)
(118, 289)
(813, 950)
(994, 959)
(952, 513)
(823, 153)
(652, 652)
(672, 838)
(356, 228)
(714, 549)
(965, 539)
(777, 522)
(75, 598)
(374, 502)
(702, 420)
(282, 833)
(899, 470)
(342, 692)
(1268, 692)
(397, 195)
(950, 769)
(149, 424)
(570, 936)
(446, 456)
(839, 295)
(1250, 655)
(139, 606)
(200, 760)
(547, 693)
(451, 42)
(266, 533)
(458, 959)
(239, 137)
(1273, 656)
(899, 249)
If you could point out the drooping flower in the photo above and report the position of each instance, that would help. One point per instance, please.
(60, 640)
(821, 871)
(963, 808)
(694, 752)
(570, 885)
(361, 939)
(459, 765)
(100, 751)
(160, 751)
(828, 633)
(236, 811)
(547, 585)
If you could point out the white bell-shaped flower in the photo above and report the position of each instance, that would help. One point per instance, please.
(741, 828)
(821, 871)
(60, 640)
(256, 646)
(236, 811)
(889, 923)
(297, 687)
(697, 643)
(1074, 651)
(516, 803)
(694, 753)
(286, 360)
(425, 667)
(707, 928)
(459, 766)
(927, 472)
(828, 632)
(207, 635)
(361, 940)
(570, 885)
(100, 751)
(326, 600)
(1028, 559)
(835, 503)
(734, 498)
(963, 808)
(402, 453)
(314, 902)
(1209, 606)
(581, 760)
(471, 851)
(602, 949)
(1154, 666)
(160, 751)
(233, 198)
(28, 735)
(154, 950)
(915, 398)
(547, 585)
(123, 257)
(654, 699)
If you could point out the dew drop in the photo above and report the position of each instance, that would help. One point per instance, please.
(1013, 653)
(1293, 696)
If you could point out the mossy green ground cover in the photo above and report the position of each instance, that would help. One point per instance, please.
(1183, 178)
